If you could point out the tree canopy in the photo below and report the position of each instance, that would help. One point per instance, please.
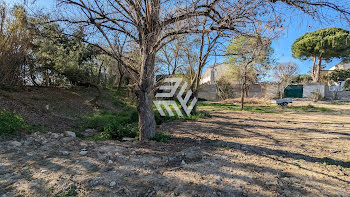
(326, 43)
(323, 44)
(254, 53)
(250, 58)
(340, 75)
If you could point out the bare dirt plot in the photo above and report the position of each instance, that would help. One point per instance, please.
(278, 154)
(230, 154)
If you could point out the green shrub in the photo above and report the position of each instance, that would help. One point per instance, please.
(113, 125)
(71, 192)
(161, 137)
(10, 123)
(101, 136)
(160, 119)
(200, 114)
(118, 131)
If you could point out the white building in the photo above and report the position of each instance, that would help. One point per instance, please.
(214, 72)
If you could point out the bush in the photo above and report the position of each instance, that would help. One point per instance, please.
(10, 123)
(339, 74)
(114, 125)
(224, 88)
(347, 85)
(161, 137)
(316, 96)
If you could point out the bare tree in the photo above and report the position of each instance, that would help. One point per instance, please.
(149, 25)
(284, 72)
(172, 58)
(208, 42)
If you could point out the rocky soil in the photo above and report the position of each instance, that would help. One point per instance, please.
(230, 154)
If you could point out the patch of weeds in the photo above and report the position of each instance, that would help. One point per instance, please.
(116, 125)
(101, 136)
(118, 131)
(68, 193)
(161, 137)
(118, 103)
(119, 98)
(267, 108)
(10, 123)
(251, 108)
(309, 108)
(79, 134)
(113, 125)
(71, 192)
(161, 119)
(263, 108)
(200, 114)
(37, 128)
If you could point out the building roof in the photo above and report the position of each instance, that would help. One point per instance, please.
(341, 65)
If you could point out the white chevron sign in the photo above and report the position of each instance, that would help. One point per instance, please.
(173, 85)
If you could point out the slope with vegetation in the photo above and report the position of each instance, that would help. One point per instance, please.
(44, 109)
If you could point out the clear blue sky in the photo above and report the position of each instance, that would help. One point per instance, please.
(297, 26)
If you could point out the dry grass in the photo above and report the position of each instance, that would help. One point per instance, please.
(253, 100)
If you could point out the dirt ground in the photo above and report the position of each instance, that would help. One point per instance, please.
(231, 154)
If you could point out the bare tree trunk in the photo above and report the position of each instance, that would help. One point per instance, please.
(243, 89)
(313, 70)
(242, 96)
(99, 73)
(121, 75)
(120, 82)
(195, 95)
(246, 91)
(318, 70)
(196, 86)
(147, 124)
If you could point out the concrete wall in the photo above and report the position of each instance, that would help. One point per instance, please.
(308, 88)
(255, 90)
(343, 95)
(208, 92)
(270, 90)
